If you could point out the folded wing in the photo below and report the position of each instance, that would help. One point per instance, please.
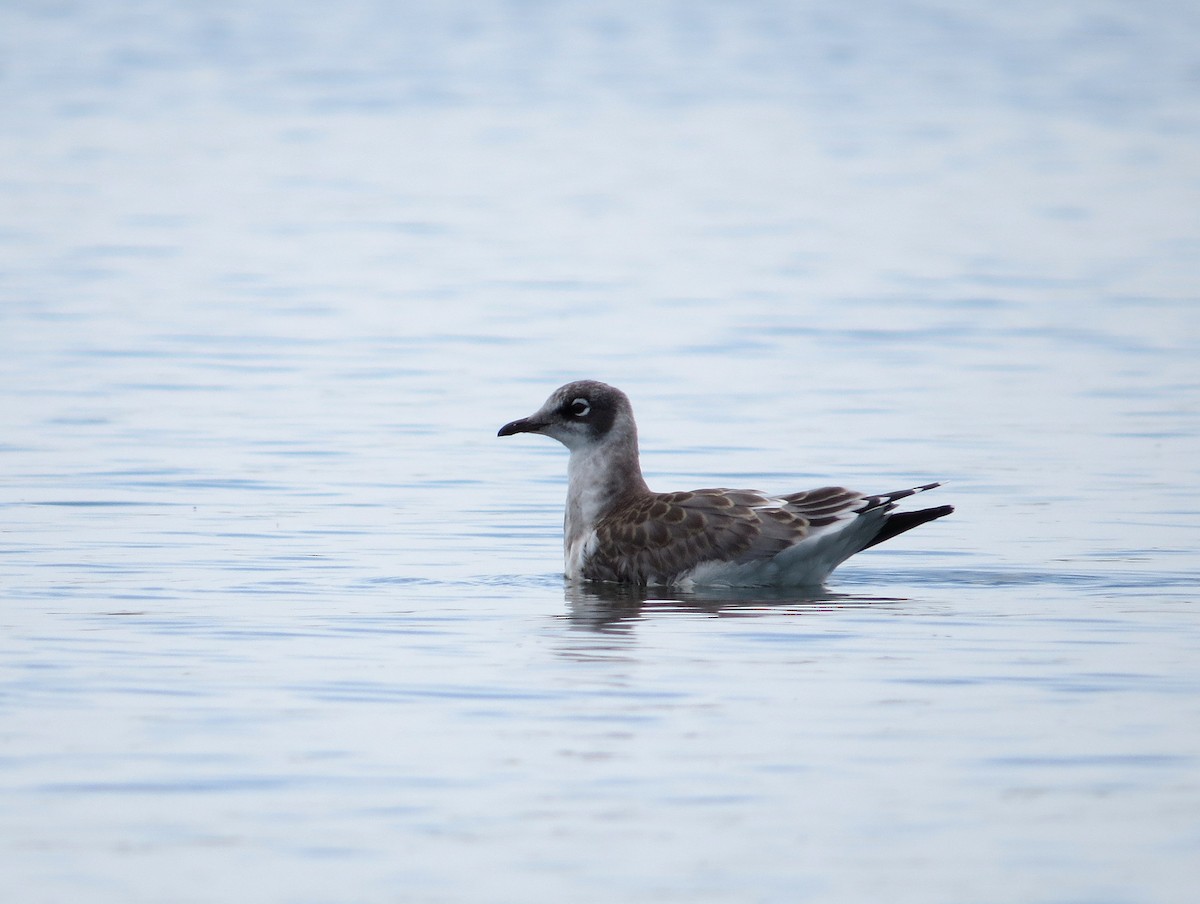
(659, 537)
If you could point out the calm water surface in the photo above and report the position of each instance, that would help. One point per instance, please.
(283, 621)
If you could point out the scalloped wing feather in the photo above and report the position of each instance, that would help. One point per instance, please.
(664, 537)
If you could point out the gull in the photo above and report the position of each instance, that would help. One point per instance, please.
(617, 529)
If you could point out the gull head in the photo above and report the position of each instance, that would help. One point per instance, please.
(580, 415)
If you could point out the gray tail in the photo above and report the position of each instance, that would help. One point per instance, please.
(902, 521)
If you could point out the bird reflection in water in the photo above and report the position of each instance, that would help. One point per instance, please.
(603, 606)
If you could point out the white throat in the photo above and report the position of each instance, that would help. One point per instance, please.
(591, 485)
(599, 476)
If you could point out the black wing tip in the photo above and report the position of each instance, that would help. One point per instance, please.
(888, 500)
(905, 521)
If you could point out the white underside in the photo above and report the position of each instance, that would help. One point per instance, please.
(768, 573)
(807, 564)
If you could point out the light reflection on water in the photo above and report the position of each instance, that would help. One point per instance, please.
(284, 621)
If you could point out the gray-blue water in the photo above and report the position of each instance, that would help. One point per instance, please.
(283, 620)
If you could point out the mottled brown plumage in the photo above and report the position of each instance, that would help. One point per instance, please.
(659, 538)
(617, 529)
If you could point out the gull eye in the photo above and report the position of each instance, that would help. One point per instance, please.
(580, 407)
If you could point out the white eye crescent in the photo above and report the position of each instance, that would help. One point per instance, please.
(580, 407)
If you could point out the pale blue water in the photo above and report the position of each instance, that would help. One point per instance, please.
(283, 620)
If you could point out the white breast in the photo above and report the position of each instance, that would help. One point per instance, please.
(576, 553)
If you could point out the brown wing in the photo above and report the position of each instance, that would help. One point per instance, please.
(827, 505)
(661, 536)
